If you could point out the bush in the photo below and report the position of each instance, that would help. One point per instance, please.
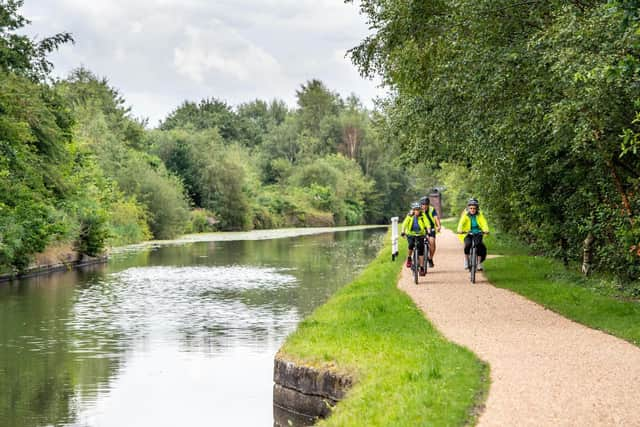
(94, 233)
(127, 223)
(202, 221)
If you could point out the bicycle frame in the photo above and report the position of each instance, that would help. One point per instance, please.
(425, 258)
(473, 256)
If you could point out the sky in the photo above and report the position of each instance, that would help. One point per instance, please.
(159, 53)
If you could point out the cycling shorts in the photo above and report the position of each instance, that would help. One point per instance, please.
(416, 241)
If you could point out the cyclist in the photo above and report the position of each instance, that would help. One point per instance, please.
(472, 220)
(415, 227)
(434, 224)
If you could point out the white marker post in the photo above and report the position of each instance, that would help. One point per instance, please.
(394, 238)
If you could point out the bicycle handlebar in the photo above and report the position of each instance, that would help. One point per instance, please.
(429, 230)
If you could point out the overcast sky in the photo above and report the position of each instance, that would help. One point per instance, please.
(160, 52)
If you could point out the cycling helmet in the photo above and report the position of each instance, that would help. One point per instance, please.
(415, 205)
(424, 200)
(473, 202)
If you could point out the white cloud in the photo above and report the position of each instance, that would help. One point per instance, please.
(222, 50)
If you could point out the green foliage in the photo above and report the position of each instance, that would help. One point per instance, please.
(128, 222)
(257, 118)
(287, 161)
(35, 156)
(159, 191)
(93, 232)
(337, 184)
(531, 99)
(202, 221)
(20, 54)
(208, 114)
(106, 130)
(316, 103)
(214, 174)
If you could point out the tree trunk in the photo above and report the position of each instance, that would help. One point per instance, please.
(623, 195)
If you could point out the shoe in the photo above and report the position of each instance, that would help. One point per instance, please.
(430, 263)
(422, 272)
(480, 267)
(466, 263)
(408, 264)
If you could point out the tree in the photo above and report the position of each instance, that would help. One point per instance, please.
(353, 121)
(19, 54)
(315, 103)
(208, 114)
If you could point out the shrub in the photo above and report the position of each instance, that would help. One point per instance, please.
(202, 221)
(94, 232)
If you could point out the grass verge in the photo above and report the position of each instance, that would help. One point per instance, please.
(405, 372)
(549, 283)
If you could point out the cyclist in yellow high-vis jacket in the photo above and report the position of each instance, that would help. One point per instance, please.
(415, 226)
(472, 220)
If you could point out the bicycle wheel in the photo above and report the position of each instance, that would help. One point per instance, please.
(414, 265)
(473, 264)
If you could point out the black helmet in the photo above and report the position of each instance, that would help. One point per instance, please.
(424, 201)
(473, 202)
(415, 205)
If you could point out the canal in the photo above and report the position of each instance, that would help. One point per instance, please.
(174, 334)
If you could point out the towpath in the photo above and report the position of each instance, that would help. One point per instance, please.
(545, 369)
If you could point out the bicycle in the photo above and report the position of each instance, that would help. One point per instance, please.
(473, 255)
(415, 265)
(415, 262)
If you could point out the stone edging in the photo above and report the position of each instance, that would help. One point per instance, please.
(40, 270)
(302, 395)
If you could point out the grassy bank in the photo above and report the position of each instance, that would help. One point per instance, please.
(406, 373)
(589, 301)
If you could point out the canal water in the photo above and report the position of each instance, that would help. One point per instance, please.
(175, 335)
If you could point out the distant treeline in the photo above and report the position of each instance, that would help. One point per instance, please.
(532, 106)
(77, 170)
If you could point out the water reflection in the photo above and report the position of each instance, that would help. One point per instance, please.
(176, 335)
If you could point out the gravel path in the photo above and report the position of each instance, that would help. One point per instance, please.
(545, 369)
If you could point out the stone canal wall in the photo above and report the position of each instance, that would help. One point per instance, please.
(73, 261)
(302, 395)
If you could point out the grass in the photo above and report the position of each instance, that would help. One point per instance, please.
(548, 282)
(405, 372)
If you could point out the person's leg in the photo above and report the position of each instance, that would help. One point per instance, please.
(482, 251)
(411, 243)
(432, 249)
(420, 249)
(467, 249)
